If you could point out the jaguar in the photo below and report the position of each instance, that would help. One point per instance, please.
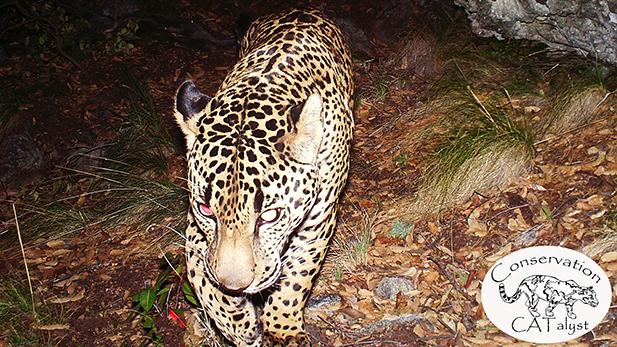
(268, 157)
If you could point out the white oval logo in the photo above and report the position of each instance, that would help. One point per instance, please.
(546, 294)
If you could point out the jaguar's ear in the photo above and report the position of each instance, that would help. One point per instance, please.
(305, 139)
(190, 103)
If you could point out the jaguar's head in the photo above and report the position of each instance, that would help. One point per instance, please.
(252, 175)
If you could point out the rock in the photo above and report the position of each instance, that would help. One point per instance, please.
(324, 300)
(356, 37)
(399, 17)
(588, 27)
(394, 16)
(120, 8)
(21, 161)
(85, 158)
(389, 287)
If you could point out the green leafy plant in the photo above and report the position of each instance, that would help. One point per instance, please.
(47, 29)
(338, 272)
(401, 228)
(402, 158)
(381, 86)
(548, 214)
(156, 298)
(119, 41)
(377, 89)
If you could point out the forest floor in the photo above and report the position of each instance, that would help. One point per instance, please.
(86, 278)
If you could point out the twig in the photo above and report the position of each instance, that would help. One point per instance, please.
(23, 253)
(167, 259)
(437, 249)
(442, 270)
(14, 26)
(556, 212)
(509, 99)
(459, 69)
(446, 325)
(551, 69)
(604, 99)
(508, 210)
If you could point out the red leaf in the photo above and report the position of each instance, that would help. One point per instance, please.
(173, 315)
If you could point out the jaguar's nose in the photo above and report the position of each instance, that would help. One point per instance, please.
(235, 265)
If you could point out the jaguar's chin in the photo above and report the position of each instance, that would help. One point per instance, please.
(266, 279)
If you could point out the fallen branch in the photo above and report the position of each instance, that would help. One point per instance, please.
(54, 32)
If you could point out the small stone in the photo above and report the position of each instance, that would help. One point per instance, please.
(324, 300)
(469, 322)
(389, 287)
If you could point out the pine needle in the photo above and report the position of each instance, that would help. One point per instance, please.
(23, 253)
(488, 115)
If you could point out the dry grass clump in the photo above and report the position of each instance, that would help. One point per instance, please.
(606, 236)
(492, 167)
(480, 142)
(573, 108)
(132, 183)
(349, 253)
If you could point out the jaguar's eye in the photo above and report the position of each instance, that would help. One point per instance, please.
(270, 216)
(205, 210)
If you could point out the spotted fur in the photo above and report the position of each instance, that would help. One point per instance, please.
(268, 156)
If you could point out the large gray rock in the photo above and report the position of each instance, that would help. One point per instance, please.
(21, 161)
(588, 27)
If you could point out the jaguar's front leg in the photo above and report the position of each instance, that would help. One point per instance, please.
(283, 313)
